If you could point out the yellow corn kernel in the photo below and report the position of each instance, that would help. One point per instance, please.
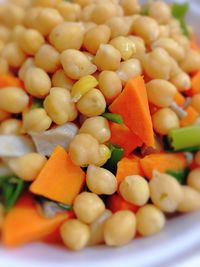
(82, 86)
(104, 153)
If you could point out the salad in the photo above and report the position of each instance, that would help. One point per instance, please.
(99, 120)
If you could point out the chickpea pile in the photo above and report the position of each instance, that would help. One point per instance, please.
(76, 58)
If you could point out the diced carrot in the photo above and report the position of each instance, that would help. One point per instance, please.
(179, 99)
(60, 179)
(191, 117)
(196, 83)
(24, 224)
(128, 166)
(132, 105)
(121, 135)
(9, 80)
(116, 203)
(162, 163)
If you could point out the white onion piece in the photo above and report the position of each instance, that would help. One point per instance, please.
(15, 146)
(46, 142)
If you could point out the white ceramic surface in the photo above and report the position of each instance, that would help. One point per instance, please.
(180, 235)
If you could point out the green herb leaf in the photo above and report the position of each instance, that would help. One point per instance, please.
(37, 103)
(11, 188)
(180, 175)
(179, 11)
(113, 117)
(117, 153)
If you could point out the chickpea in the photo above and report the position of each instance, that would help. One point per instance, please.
(28, 63)
(76, 64)
(130, 7)
(59, 106)
(171, 46)
(147, 28)
(110, 85)
(46, 3)
(197, 157)
(100, 181)
(30, 17)
(175, 69)
(37, 82)
(12, 15)
(88, 207)
(160, 11)
(87, 12)
(4, 115)
(182, 81)
(96, 36)
(191, 61)
(102, 12)
(182, 40)
(165, 120)
(88, 25)
(67, 35)
(157, 64)
(135, 190)
(193, 179)
(139, 46)
(165, 192)
(14, 55)
(47, 58)
(84, 150)
(190, 201)
(120, 228)
(107, 58)
(150, 220)
(97, 227)
(1, 46)
(175, 27)
(17, 33)
(125, 46)
(83, 3)
(129, 69)
(47, 19)
(75, 234)
(31, 41)
(3, 66)
(92, 103)
(196, 102)
(98, 127)
(164, 31)
(5, 33)
(118, 26)
(69, 11)
(36, 120)
(13, 99)
(28, 166)
(59, 79)
(11, 126)
(104, 155)
(21, 3)
(160, 92)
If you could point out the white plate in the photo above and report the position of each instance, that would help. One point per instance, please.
(180, 235)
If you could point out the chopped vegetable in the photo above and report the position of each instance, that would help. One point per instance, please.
(128, 166)
(14, 146)
(113, 117)
(162, 163)
(60, 179)
(24, 224)
(122, 136)
(116, 203)
(180, 175)
(36, 103)
(185, 137)
(179, 11)
(136, 116)
(196, 83)
(190, 118)
(117, 154)
(9, 80)
(47, 141)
